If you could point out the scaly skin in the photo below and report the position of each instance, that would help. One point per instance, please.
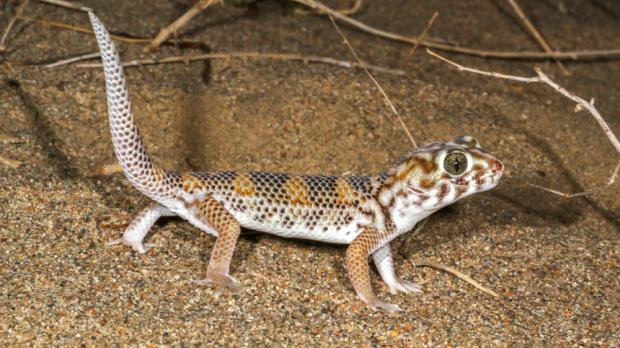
(367, 212)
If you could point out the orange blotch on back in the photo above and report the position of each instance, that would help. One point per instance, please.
(297, 192)
(244, 185)
(346, 193)
(191, 183)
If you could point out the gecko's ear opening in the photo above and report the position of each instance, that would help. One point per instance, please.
(466, 140)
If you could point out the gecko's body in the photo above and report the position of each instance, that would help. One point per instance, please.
(367, 212)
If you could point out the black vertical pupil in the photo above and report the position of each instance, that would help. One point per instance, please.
(455, 163)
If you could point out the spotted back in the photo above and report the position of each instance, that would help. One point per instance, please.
(303, 206)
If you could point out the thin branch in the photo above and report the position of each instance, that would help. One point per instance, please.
(10, 163)
(347, 12)
(173, 27)
(61, 25)
(364, 66)
(581, 103)
(481, 72)
(420, 38)
(68, 4)
(10, 140)
(253, 55)
(459, 275)
(611, 181)
(527, 55)
(18, 13)
(535, 33)
(106, 170)
(73, 59)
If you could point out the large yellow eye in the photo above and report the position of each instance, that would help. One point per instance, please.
(455, 163)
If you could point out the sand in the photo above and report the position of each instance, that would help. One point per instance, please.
(554, 261)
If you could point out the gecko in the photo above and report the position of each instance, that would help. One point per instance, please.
(364, 212)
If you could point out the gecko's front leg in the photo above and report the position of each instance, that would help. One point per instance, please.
(385, 265)
(363, 246)
(140, 226)
(214, 215)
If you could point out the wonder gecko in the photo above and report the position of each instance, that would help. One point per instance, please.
(365, 212)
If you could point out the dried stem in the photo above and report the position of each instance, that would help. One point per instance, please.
(61, 25)
(567, 55)
(165, 32)
(68, 4)
(364, 66)
(73, 59)
(535, 33)
(459, 275)
(581, 103)
(18, 13)
(10, 140)
(106, 170)
(611, 181)
(253, 55)
(10, 163)
(347, 12)
(420, 38)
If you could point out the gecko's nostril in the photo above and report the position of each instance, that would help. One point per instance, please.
(497, 166)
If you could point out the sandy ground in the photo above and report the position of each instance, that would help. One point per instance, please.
(556, 262)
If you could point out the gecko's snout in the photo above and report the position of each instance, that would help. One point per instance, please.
(497, 166)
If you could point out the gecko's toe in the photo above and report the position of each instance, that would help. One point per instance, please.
(377, 304)
(135, 245)
(403, 286)
(407, 286)
(384, 306)
(221, 280)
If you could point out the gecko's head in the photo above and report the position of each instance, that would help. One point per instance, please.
(441, 173)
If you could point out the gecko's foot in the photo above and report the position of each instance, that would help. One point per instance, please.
(376, 304)
(135, 245)
(221, 280)
(404, 286)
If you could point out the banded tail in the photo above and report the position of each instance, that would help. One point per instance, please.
(128, 147)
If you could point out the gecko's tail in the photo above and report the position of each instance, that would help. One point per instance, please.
(130, 151)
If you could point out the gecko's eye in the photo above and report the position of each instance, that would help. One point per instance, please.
(455, 163)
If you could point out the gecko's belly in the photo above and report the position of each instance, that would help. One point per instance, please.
(326, 232)
(339, 226)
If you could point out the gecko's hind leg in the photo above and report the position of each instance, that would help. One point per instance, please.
(215, 216)
(140, 226)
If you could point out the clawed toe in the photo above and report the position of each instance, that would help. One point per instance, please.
(137, 245)
(378, 304)
(407, 286)
(220, 280)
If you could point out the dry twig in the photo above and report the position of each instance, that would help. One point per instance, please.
(567, 55)
(68, 4)
(18, 13)
(165, 32)
(364, 66)
(459, 275)
(10, 163)
(581, 103)
(420, 38)
(10, 140)
(347, 12)
(535, 33)
(253, 55)
(73, 59)
(106, 170)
